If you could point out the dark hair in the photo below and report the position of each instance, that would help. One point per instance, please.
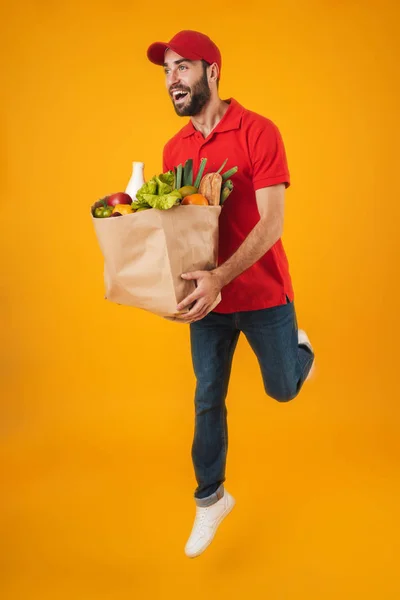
(205, 65)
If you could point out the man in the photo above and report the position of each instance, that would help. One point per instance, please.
(252, 274)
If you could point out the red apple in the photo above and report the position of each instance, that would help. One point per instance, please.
(119, 198)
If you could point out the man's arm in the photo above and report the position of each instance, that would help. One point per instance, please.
(270, 203)
(263, 236)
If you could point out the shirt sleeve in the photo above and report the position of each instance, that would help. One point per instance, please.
(268, 157)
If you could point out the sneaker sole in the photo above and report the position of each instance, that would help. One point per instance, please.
(221, 518)
(311, 373)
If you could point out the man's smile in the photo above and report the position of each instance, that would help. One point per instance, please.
(179, 95)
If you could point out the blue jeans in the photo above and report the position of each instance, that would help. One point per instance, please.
(272, 334)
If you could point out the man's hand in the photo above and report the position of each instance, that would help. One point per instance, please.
(208, 287)
(270, 204)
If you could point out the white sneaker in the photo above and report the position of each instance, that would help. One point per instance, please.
(303, 339)
(205, 524)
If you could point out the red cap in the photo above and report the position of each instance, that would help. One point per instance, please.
(188, 44)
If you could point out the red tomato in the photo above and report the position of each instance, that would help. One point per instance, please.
(119, 198)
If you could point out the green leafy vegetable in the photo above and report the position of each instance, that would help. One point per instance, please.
(141, 202)
(150, 187)
(176, 193)
(167, 177)
(161, 202)
(162, 188)
(159, 186)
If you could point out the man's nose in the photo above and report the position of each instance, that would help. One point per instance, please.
(173, 78)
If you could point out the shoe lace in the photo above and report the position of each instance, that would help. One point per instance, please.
(201, 517)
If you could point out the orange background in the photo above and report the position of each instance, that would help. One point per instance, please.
(97, 399)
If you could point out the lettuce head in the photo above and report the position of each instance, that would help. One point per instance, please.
(158, 192)
(150, 187)
(162, 187)
(162, 202)
(168, 178)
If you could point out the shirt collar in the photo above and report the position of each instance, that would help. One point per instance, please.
(231, 120)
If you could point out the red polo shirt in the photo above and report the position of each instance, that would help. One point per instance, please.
(253, 144)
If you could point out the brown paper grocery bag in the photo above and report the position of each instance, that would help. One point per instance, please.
(146, 252)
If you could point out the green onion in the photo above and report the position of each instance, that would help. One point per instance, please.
(222, 166)
(229, 173)
(226, 189)
(178, 177)
(188, 172)
(225, 193)
(203, 163)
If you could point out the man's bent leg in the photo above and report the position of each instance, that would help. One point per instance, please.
(273, 335)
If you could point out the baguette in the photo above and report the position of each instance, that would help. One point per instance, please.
(216, 184)
(205, 187)
(210, 188)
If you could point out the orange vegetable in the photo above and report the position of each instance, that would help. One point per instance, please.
(123, 209)
(195, 199)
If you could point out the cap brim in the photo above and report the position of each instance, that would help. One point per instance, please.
(156, 51)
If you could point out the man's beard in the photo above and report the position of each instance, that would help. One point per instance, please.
(200, 95)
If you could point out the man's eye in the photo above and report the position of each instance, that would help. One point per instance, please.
(182, 66)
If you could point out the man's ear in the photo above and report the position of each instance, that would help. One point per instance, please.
(214, 72)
